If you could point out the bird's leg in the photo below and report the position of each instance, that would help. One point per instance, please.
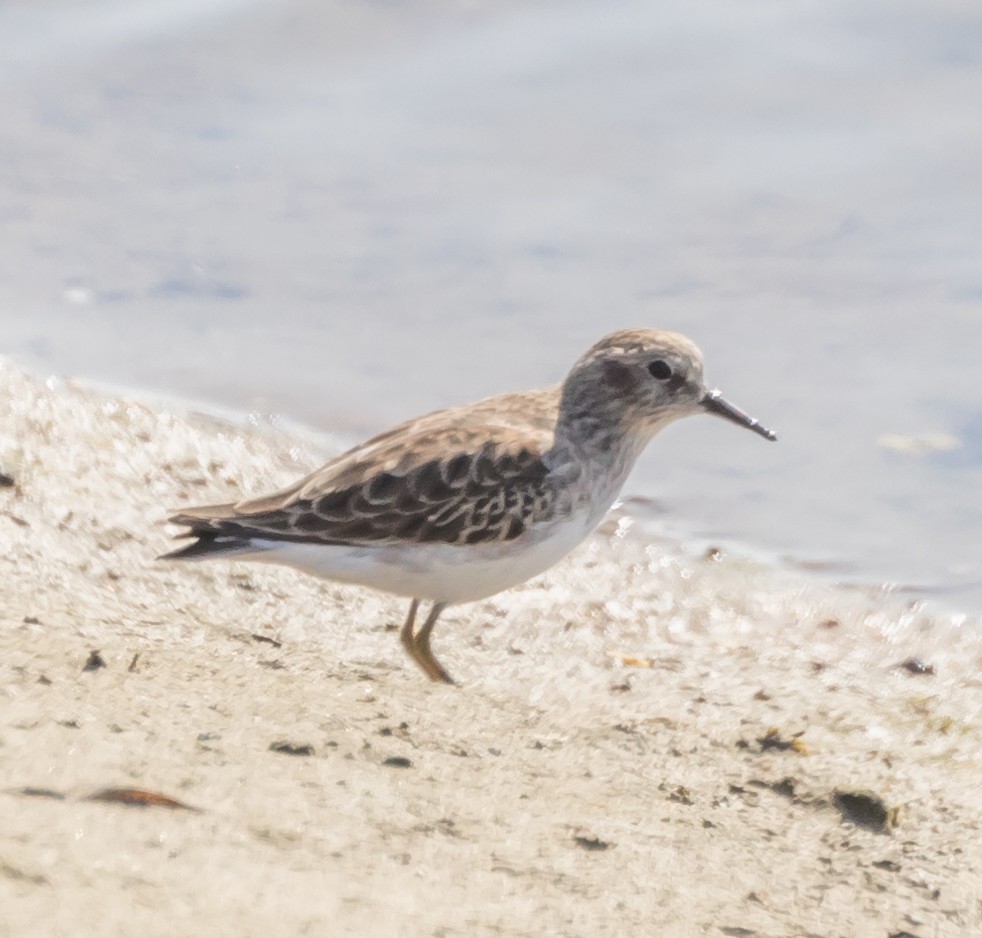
(418, 645)
(424, 657)
(406, 634)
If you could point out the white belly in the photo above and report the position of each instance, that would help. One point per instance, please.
(435, 572)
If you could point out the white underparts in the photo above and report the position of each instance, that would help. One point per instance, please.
(436, 572)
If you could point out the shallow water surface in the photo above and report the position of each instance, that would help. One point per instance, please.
(354, 213)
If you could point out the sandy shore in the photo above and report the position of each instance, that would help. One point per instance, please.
(645, 742)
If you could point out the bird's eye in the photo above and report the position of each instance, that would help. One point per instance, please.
(660, 369)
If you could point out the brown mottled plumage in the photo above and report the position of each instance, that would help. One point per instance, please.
(422, 481)
(464, 502)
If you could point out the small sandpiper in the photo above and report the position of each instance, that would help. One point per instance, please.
(460, 504)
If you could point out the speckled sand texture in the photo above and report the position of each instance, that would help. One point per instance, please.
(600, 771)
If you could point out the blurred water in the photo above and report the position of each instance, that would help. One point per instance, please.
(351, 213)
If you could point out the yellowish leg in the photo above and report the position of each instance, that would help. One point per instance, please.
(406, 634)
(418, 645)
(430, 665)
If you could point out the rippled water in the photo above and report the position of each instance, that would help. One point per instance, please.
(348, 214)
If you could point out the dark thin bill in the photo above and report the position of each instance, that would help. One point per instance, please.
(715, 403)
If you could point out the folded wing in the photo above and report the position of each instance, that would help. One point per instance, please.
(437, 482)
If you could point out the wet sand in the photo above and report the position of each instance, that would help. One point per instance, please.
(645, 740)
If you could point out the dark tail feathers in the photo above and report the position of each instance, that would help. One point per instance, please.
(214, 532)
(208, 544)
